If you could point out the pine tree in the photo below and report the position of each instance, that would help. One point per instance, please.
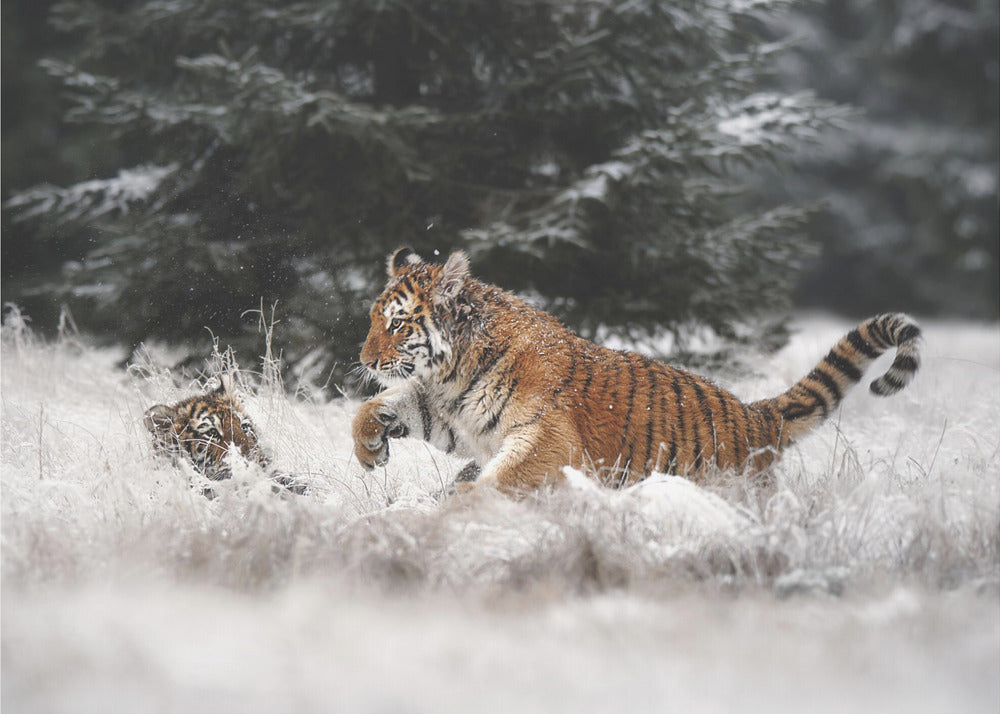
(912, 187)
(581, 151)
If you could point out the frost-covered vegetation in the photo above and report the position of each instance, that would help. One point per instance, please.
(867, 576)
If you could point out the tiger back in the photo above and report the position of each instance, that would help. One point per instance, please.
(480, 373)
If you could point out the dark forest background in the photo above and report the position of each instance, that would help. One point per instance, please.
(638, 168)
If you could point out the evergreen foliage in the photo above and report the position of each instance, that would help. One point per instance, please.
(579, 150)
(912, 187)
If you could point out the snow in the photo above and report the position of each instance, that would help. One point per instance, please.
(96, 197)
(867, 578)
(766, 117)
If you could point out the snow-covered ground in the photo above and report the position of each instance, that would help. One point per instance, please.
(867, 578)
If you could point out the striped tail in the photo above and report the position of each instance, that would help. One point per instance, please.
(817, 394)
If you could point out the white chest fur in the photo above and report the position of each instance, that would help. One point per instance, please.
(470, 414)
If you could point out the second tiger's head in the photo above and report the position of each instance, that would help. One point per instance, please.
(204, 428)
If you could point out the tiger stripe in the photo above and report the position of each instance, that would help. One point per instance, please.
(670, 445)
(570, 374)
(681, 412)
(860, 344)
(495, 418)
(707, 453)
(729, 443)
(425, 415)
(629, 410)
(843, 365)
(482, 371)
(654, 387)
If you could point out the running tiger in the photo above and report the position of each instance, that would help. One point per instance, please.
(480, 373)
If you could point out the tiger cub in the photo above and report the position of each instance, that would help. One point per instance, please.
(204, 428)
(480, 373)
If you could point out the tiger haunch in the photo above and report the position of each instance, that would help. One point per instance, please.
(480, 373)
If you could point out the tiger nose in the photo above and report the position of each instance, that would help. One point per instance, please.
(369, 353)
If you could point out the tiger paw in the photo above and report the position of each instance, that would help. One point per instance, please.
(282, 484)
(373, 426)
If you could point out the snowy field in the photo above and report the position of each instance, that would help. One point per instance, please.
(867, 578)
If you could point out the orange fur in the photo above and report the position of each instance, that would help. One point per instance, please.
(202, 428)
(477, 371)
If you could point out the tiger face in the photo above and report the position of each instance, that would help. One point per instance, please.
(203, 429)
(409, 334)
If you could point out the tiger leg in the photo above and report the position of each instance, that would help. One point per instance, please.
(397, 412)
(373, 425)
(530, 456)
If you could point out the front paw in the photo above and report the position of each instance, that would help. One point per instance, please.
(373, 426)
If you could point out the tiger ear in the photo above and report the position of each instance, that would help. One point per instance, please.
(453, 275)
(402, 258)
(227, 386)
(158, 418)
(227, 389)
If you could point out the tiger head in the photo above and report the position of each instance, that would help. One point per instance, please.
(411, 321)
(204, 428)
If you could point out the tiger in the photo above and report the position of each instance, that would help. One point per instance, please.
(203, 428)
(482, 374)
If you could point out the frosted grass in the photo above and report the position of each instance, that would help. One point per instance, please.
(867, 575)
